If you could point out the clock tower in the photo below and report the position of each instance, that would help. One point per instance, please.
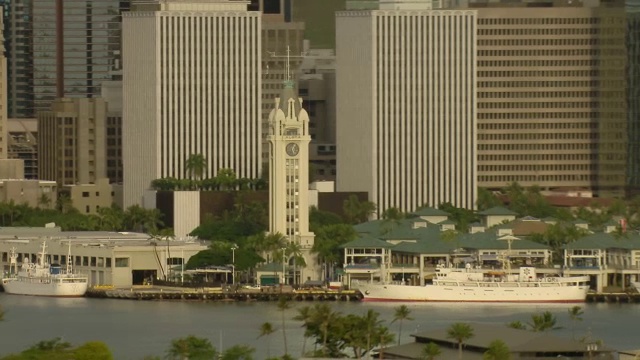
(289, 139)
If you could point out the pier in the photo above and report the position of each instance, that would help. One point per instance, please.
(151, 293)
(614, 297)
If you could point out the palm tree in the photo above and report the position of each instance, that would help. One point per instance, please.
(267, 329)
(575, 314)
(283, 305)
(517, 325)
(402, 313)
(191, 347)
(430, 351)
(238, 352)
(497, 350)
(294, 250)
(44, 200)
(324, 316)
(196, 166)
(64, 203)
(305, 315)
(392, 218)
(460, 332)
(357, 211)
(543, 322)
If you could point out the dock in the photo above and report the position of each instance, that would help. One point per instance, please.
(151, 293)
(614, 297)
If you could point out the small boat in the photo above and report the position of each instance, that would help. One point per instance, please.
(474, 285)
(44, 279)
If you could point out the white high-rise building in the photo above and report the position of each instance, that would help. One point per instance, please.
(406, 105)
(192, 85)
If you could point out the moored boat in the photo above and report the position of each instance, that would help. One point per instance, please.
(43, 279)
(475, 285)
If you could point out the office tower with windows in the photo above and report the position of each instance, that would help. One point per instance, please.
(191, 85)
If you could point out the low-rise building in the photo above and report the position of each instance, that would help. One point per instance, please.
(88, 198)
(121, 259)
(35, 193)
(522, 344)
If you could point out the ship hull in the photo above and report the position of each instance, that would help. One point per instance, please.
(13, 286)
(443, 293)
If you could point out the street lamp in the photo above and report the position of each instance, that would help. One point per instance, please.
(233, 263)
(283, 260)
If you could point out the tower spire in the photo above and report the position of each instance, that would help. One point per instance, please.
(288, 81)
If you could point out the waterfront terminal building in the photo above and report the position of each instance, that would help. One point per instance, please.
(119, 259)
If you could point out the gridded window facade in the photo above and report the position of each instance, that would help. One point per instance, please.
(551, 97)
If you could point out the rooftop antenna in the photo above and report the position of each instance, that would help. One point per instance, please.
(288, 56)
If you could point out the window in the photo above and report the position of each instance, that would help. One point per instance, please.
(108, 260)
(122, 262)
(85, 194)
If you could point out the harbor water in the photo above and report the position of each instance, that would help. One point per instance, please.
(134, 329)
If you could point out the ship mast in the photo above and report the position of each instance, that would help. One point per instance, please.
(69, 261)
(13, 261)
(43, 253)
(509, 239)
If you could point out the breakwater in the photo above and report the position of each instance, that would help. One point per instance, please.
(163, 293)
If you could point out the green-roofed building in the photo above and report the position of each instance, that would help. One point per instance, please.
(431, 215)
(496, 215)
(610, 258)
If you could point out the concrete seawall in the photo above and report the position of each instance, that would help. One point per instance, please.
(164, 293)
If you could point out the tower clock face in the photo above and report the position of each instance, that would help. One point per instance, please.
(292, 149)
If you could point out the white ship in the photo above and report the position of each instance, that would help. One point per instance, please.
(42, 278)
(474, 285)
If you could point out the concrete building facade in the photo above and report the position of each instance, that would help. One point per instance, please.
(201, 96)
(317, 87)
(406, 104)
(89, 198)
(35, 193)
(71, 141)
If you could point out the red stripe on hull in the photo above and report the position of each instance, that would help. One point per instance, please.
(479, 301)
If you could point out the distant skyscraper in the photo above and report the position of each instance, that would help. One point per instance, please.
(192, 85)
(406, 105)
(17, 17)
(87, 31)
